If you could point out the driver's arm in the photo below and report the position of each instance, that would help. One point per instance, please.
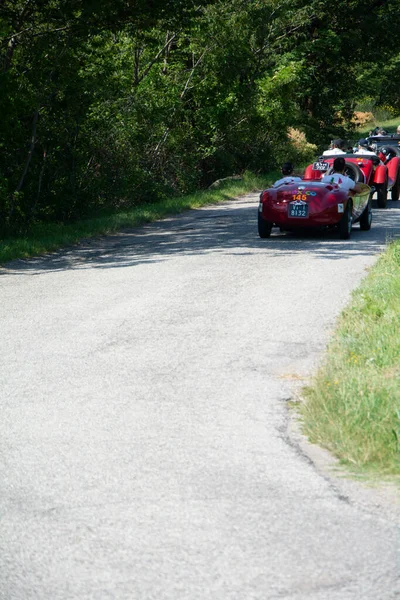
(356, 189)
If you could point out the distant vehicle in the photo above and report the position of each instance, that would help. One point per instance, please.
(386, 147)
(380, 175)
(313, 204)
(385, 140)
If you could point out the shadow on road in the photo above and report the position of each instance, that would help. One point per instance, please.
(228, 228)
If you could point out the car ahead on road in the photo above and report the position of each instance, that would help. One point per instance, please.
(385, 142)
(387, 147)
(364, 168)
(313, 204)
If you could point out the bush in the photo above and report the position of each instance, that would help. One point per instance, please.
(300, 150)
(360, 118)
(385, 112)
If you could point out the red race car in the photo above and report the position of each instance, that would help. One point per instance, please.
(313, 204)
(364, 168)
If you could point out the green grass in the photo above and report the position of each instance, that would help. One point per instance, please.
(389, 125)
(48, 237)
(352, 407)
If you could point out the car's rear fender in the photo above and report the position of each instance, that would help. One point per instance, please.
(382, 156)
(381, 174)
(393, 167)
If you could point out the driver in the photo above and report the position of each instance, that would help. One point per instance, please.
(363, 148)
(336, 148)
(338, 176)
(287, 172)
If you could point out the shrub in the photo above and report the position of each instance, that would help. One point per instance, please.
(361, 118)
(300, 149)
(385, 112)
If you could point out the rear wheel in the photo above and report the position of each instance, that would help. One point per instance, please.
(351, 170)
(381, 194)
(366, 217)
(396, 187)
(346, 221)
(264, 227)
(354, 172)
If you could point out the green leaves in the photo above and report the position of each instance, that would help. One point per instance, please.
(137, 99)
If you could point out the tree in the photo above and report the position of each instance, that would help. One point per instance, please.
(114, 102)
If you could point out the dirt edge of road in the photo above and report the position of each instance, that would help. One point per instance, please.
(379, 497)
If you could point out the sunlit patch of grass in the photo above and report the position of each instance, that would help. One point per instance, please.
(353, 405)
(389, 125)
(45, 238)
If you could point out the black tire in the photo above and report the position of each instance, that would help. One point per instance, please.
(346, 222)
(352, 171)
(396, 187)
(366, 217)
(264, 227)
(381, 194)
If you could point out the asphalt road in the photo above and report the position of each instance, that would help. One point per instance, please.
(145, 451)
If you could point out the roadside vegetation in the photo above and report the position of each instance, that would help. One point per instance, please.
(389, 125)
(110, 104)
(352, 407)
(41, 236)
(45, 237)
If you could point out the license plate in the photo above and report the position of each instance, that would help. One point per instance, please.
(297, 210)
(320, 165)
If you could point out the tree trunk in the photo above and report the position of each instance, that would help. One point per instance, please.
(31, 149)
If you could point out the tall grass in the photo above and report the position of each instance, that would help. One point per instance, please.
(353, 405)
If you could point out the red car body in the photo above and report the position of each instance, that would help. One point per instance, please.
(365, 168)
(313, 204)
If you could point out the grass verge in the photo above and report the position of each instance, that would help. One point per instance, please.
(390, 125)
(352, 407)
(44, 238)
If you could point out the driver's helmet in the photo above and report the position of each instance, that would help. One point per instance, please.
(363, 143)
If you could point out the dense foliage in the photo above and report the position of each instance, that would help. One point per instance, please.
(107, 103)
